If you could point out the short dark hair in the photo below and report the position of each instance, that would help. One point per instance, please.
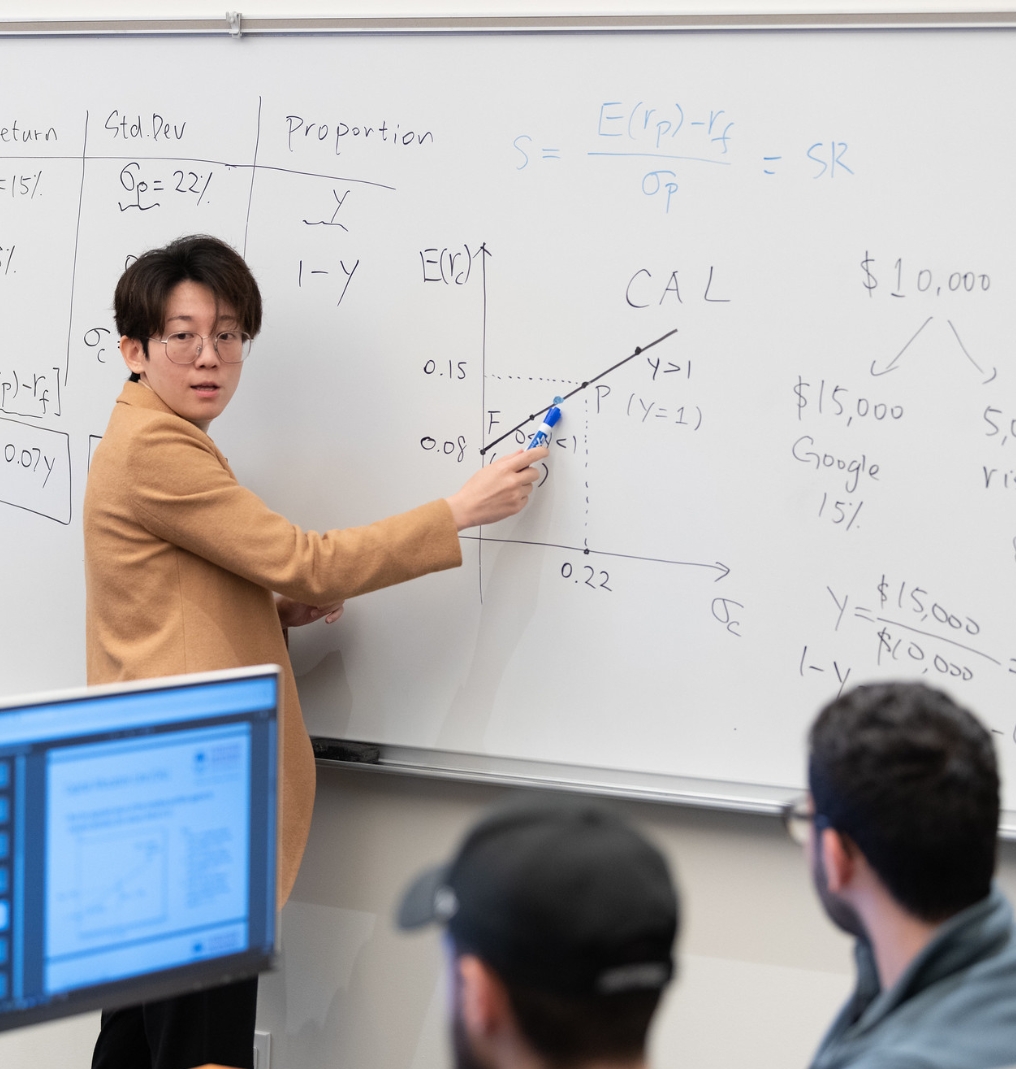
(570, 1030)
(911, 777)
(139, 303)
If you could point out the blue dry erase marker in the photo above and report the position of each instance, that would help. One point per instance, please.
(542, 436)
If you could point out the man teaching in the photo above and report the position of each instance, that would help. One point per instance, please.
(187, 571)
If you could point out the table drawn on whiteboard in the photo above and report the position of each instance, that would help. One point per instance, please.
(144, 182)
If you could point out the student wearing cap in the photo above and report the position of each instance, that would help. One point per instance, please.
(560, 922)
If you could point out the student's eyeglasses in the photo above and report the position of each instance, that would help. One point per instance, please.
(184, 347)
(798, 819)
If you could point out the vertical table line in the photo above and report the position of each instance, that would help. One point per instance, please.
(74, 262)
(253, 173)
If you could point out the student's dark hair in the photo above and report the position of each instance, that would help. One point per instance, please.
(570, 1030)
(567, 1031)
(911, 778)
(139, 304)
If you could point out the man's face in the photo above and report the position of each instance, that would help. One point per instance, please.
(840, 912)
(199, 391)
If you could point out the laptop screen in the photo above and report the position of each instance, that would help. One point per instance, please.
(137, 841)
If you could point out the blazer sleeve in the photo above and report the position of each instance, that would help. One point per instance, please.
(182, 492)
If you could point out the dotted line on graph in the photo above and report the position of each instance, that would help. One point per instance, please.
(585, 445)
(533, 378)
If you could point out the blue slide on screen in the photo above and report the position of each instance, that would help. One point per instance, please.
(137, 841)
(147, 854)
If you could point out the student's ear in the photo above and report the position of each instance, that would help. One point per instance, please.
(484, 1000)
(133, 353)
(839, 859)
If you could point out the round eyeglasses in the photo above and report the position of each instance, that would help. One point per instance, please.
(798, 819)
(184, 346)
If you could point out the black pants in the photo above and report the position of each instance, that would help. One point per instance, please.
(216, 1025)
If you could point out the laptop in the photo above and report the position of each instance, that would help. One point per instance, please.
(137, 841)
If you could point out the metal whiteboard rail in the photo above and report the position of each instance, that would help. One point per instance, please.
(549, 775)
(236, 25)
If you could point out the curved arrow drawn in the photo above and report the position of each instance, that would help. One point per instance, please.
(959, 340)
(891, 366)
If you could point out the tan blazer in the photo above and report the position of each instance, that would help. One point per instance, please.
(181, 562)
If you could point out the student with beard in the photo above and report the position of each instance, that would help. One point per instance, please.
(560, 924)
(901, 825)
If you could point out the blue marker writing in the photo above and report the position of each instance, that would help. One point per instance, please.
(542, 436)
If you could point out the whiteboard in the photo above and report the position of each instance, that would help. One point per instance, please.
(808, 485)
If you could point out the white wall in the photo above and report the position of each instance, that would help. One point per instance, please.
(761, 969)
